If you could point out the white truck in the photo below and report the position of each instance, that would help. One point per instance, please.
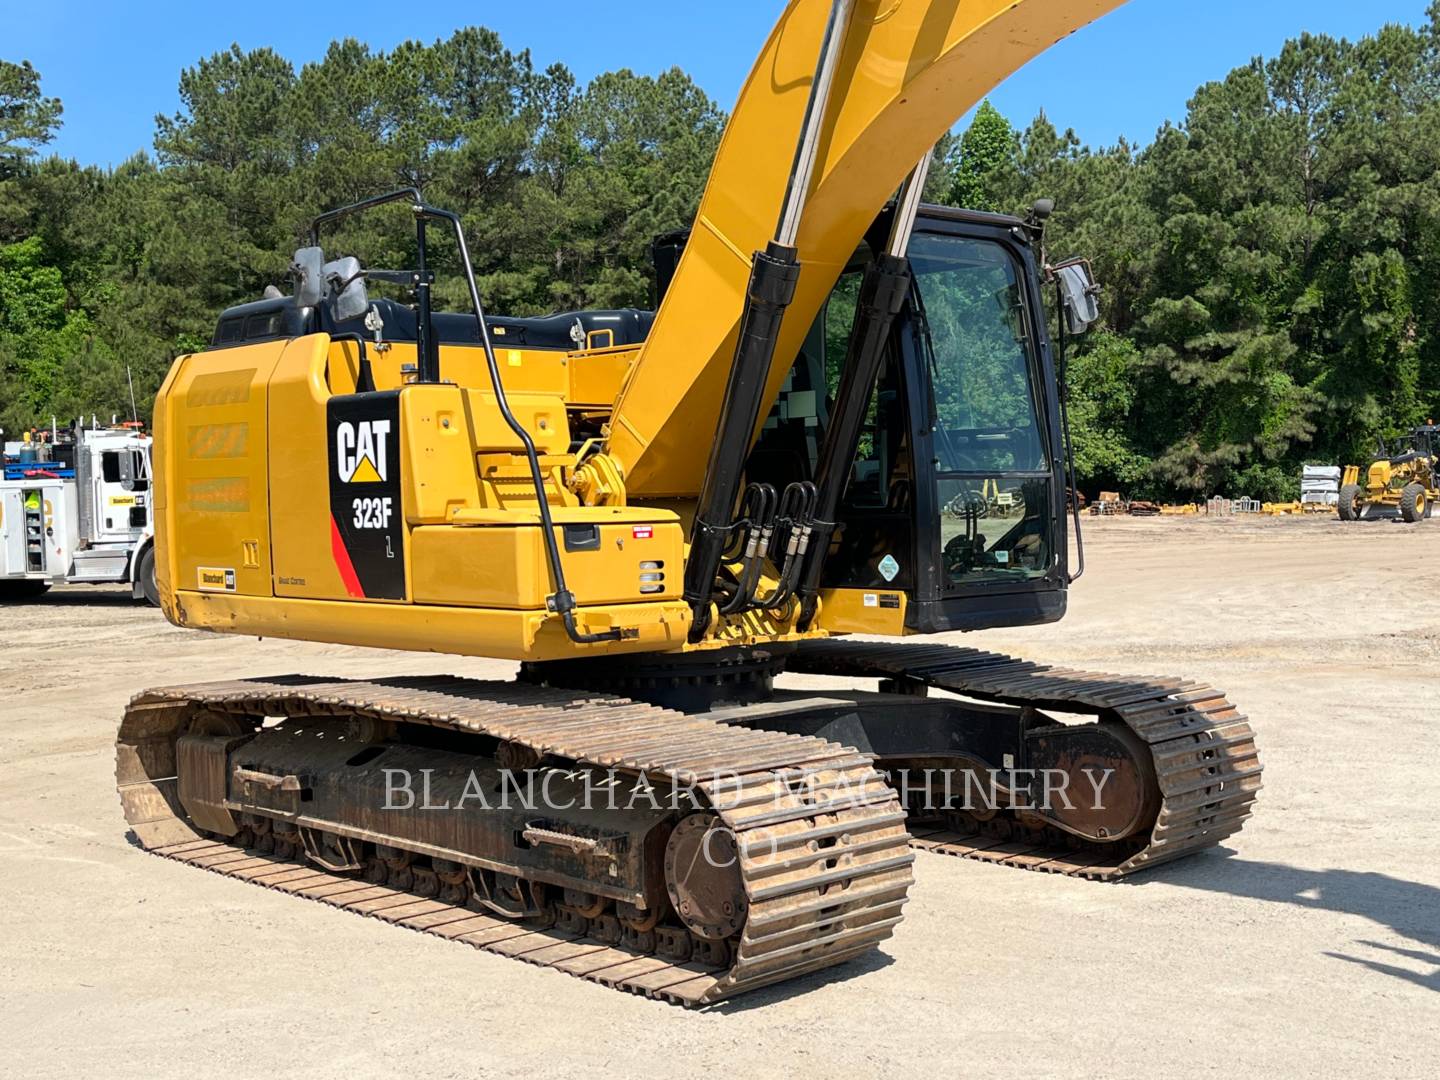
(77, 510)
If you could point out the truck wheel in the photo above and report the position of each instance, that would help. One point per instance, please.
(1349, 505)
(1413, 503)
(22, 590)
(146, 573)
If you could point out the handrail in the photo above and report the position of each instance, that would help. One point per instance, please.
(562, 600)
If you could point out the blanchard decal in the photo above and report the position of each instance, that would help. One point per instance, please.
(366, 535)
(215, 578)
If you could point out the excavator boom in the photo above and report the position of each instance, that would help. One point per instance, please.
(908, 70)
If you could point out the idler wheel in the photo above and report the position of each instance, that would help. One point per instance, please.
(702, 876)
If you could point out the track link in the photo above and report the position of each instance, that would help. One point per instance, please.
(1206, 764)
(820, 836)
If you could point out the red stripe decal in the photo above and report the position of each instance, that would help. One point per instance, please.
(342, 561)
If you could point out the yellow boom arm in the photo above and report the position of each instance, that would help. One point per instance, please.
(909, 69)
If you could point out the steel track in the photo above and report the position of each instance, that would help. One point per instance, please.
(1204, 752)
(823, 851)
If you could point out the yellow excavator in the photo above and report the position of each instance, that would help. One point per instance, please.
(845, 418)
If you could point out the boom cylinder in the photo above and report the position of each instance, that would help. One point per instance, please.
(772, 286)
(882, 295)
(773, 276)
(803, 167)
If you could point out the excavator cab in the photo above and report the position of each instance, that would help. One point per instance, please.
(956, 492)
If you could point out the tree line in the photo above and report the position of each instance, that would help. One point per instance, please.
(561, 189)
(1270, 262)
(1271, 266)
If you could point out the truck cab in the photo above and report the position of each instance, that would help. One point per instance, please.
(77, 510)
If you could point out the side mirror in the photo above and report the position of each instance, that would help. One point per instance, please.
(309, 277)
(131, 469)
(346, 282)
(1079, 295)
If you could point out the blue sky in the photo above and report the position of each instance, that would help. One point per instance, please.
(115, 65)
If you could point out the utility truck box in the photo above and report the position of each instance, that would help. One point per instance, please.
(77, 510)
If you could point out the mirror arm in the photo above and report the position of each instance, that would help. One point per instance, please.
(405, 278)
(426, 346)
(340, 285)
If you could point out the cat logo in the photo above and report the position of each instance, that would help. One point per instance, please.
(360, 454)
(367, 527)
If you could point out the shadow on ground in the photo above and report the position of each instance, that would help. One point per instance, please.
(862, 965)
(1409, 908)
(83, 597)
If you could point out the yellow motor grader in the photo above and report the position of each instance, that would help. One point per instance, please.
(1404, 476)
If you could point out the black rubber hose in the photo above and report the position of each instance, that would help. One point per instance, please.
(365, 377)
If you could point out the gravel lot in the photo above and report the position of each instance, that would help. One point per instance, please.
(1309, 946)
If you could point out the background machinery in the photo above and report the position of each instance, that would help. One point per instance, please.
(76, 510)
(1404, 477)
(845, 418)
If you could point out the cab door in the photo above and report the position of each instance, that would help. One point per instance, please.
(990, 490)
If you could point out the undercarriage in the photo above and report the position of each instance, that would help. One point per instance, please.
(690, 856)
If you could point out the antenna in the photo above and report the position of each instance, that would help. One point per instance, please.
(134, 413)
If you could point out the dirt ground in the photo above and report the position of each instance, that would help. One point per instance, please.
(1309, 946)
